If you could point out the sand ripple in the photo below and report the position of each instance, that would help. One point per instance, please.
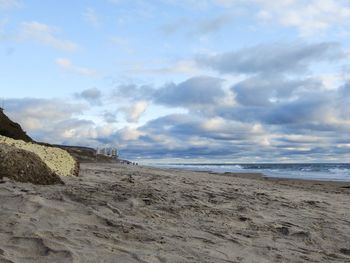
(116, 213)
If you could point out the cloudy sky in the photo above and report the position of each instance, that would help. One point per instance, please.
(182, 80)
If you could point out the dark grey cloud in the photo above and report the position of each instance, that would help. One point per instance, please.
(344, 92)
(302, 111)
(343, 100)
(43, 108)
(179, 124)
(183, 126)
(276, 58)
(188, 136)
(276, 100)
(195, 91)
(213, 24)
(178, 142)
(110, 117)
(267, 90)
(93, 96)
(295, 128)
(133, 92)
(270, 116)
(174, 27)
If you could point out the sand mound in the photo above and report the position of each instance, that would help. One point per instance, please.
(25, 166)
(58, 160)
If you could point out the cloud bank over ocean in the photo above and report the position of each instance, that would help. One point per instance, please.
(249, 81)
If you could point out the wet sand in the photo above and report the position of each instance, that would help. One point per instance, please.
(120, 213)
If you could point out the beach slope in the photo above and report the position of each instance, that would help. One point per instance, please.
(120, 213)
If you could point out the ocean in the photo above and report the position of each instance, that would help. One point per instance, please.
(305, 171)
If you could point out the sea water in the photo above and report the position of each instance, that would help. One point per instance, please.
(306, 171)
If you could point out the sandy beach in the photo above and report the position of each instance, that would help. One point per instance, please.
(123, 213)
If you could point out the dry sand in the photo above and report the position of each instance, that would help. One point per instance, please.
(118, 213)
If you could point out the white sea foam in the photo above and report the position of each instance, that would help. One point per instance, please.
(315, 171)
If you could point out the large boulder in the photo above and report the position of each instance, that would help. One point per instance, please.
(24, 166)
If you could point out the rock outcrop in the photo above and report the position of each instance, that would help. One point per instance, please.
(12, 129)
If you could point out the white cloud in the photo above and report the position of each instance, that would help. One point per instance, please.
(3, 34)
(115, 1)
(347, 53)
(90, 16)
(308, 16)
(67, 65)
(8, 4)
(214, 124)
(130, 134)
(225, 3)
(41, 115)
(134, 113)
(186, 67)
(3, 23)
(331, 81)
(192, 4)
(123, 43)
(57, 121)
(119, 41)
(45, 35)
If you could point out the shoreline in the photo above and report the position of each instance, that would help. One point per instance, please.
(251, 173)
(125, 213)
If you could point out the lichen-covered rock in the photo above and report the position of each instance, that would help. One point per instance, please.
(24, 166)
(58, 160)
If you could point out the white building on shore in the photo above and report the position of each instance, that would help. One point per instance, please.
(107, 151)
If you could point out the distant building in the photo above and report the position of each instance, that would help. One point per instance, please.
(107, 151)
(114, 152)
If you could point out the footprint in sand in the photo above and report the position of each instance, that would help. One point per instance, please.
(34, 249)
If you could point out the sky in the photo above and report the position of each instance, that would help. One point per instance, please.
(181, 80)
